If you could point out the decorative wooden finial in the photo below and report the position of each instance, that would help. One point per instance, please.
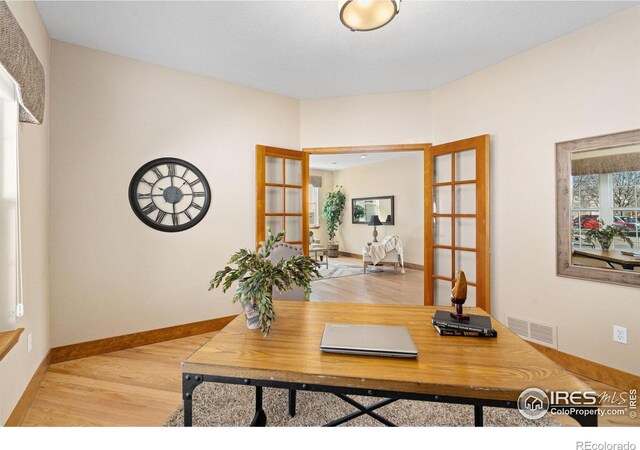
(459, 296)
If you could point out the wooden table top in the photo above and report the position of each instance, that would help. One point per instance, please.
(498, 369)
(608, 255)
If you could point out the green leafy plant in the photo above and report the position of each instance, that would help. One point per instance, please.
(358, 212)
(605, 234)
(257, 276)
(332, 210)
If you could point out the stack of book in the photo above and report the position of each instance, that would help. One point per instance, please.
(630, 253)
(477, 326)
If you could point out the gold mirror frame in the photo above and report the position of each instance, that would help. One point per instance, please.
(564, 150)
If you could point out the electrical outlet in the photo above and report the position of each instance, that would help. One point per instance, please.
(29, 342)
(620, 334)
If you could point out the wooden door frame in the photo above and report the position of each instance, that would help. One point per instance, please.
(426, 157)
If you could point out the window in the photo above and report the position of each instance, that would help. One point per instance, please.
(314, 208)
(612, 197)
(9, 211)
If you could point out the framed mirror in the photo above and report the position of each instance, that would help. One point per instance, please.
(598, 208)
(363, 208)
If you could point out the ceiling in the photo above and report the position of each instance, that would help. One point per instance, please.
(346, 161)
(300, 49)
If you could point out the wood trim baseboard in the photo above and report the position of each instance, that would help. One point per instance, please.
(590, 369)
(112, 344)
(8, 339)
(407, 265)
(29, 394)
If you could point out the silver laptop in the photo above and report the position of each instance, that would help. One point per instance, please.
(368, 340)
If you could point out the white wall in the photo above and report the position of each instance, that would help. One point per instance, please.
(584, 84)
(404, 179)
(17, 368)
(111, 274)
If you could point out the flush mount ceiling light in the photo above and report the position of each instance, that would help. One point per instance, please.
(367, 15)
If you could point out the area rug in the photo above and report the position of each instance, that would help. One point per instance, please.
(230, 405)
(340, 270)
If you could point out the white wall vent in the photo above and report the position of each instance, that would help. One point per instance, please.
(537, 332)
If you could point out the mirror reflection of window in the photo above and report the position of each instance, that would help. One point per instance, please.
(605, 195)
(314, 207)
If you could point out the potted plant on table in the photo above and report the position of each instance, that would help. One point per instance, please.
(604, 235)
(332, 211)
(257, 276)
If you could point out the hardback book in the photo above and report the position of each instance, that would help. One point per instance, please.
(443, 331)
(630, 253)
(476, 323)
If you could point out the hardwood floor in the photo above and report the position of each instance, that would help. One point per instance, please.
(141, 387)
(136, 387)
(387, 287)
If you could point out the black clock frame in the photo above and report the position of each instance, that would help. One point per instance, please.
(144, 218)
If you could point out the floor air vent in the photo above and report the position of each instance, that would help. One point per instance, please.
(534, 331)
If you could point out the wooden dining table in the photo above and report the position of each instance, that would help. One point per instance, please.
(611, 257)
(465, 370)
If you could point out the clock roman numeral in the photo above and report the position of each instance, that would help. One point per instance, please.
(140, 196)
(195, 205)
(157, 172)
(198, 194)
(194, 182)
(184, 175)
(160, 217)
(176, 222)
(151, 207)
(186, 213)
(145, 181)
(172, 170)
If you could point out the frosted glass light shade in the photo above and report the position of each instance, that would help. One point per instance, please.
(367, 15)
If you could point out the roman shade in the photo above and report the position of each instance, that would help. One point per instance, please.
(315, 181)
(622, 162)
(19, 59)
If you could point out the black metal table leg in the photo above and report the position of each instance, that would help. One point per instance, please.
(189, 383)
(478, 416)
(292, 402)
(260, 418)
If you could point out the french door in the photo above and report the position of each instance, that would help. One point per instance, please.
(282, 191)
(457, 220)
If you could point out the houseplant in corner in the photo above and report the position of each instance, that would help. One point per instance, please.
(257, 276)
(332, 211)
(604, 235)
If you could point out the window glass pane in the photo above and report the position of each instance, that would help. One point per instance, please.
(275, 223)
(442, 168)
(273, 170)
(466, 199)
(442, 231)
(273, 199)
(466, 261)
(625, 189)
(442, 262)
(466, 165)
(465, 232)
(294, 200)
(442, 293)
(294, 229)
(442, 200)
(293, 171)
(585, 191)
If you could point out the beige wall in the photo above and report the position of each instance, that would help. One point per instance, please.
(17, 368)
(403, 118)
(111, 274)
(401, 177)
(584, 84)
(327, 186)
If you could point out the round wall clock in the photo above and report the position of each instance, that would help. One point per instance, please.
(169, 194)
